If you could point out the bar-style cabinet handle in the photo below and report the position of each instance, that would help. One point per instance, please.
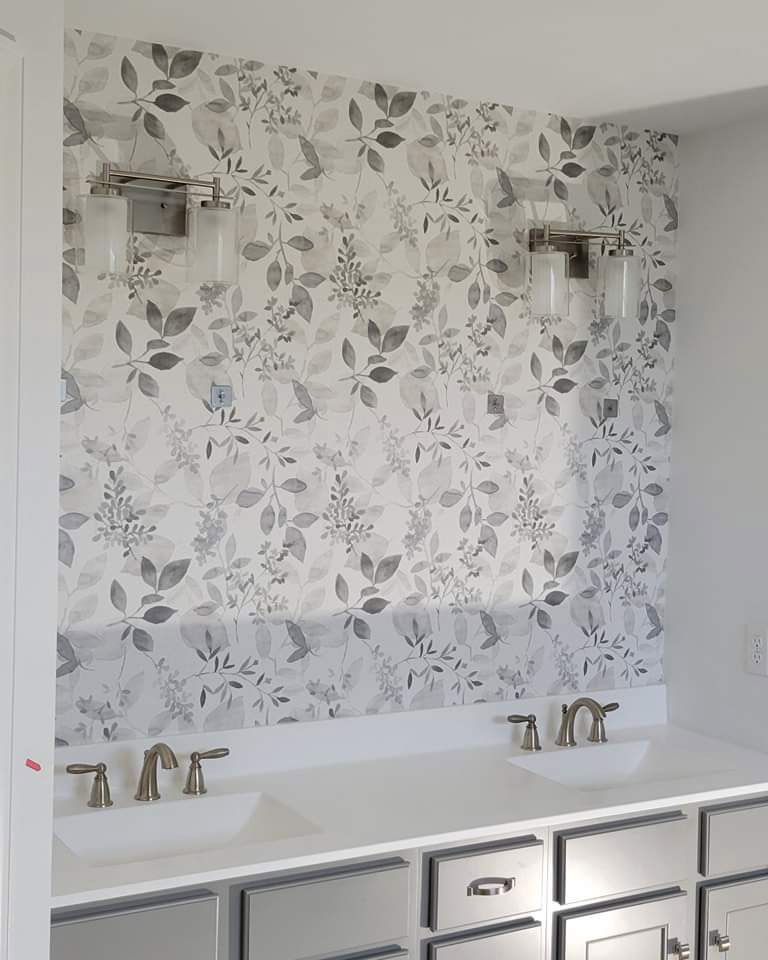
(491, 886)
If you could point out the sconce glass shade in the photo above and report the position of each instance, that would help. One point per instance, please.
(548, 283)
(620, 283)
(213, 244)
(107, 230)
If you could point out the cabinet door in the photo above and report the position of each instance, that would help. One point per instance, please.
(734, 920)
(648, 929)
(181, 929)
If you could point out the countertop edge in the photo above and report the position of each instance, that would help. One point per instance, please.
(406, 842)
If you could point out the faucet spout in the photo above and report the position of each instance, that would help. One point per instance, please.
(566, 737)
(147, 788)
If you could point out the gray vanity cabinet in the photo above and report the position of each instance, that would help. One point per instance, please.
(653, 928)
(180, 928)
(734, 920)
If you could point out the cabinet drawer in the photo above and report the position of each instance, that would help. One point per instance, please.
(478, 884)
(734, 837)
(394, 954)
(327, 914)
(612, 859)
(176, 929)
(521, 943)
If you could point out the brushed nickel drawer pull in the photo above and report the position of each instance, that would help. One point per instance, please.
(491, 886)
(720, 940)
(680, 950)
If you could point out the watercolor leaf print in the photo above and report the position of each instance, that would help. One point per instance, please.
(416, 497)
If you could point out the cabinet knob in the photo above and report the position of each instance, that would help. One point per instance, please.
(720, 940)
(491, 886)
(681, 950)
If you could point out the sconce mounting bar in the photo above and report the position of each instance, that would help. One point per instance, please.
(576, 244)
(113, 178)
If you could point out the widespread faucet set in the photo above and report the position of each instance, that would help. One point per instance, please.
(147, 788)
(565, 735)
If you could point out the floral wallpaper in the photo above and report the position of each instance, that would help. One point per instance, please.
(416, 498)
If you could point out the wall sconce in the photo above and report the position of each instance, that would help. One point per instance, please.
(557, 254)
(124, 202)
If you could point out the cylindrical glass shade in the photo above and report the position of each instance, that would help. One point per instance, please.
(213, 249)
(620, 283)
(107, 229)
(548, 283)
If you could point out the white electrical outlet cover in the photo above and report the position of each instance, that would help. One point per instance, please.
(756, 649)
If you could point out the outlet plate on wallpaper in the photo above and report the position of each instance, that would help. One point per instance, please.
(756, 649)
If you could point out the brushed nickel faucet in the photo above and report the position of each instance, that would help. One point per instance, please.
(565, 736)
(147, 788)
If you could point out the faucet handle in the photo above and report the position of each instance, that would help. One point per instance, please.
(531, 736)
(597, 733)
(563, 739)
(100, 796)
(217, 754)
(195, 785)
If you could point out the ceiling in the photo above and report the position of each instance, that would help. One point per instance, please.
(678, 65)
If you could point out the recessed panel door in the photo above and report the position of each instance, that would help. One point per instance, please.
(735, 920)
(649, 929)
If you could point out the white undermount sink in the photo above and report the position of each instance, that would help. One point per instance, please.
(171, 828)
(603, 766)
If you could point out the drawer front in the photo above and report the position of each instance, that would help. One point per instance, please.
(489, 883)
(734, 838)
(522, 943)
(175, 930)
(624, 857)
(394, 954)
(328, 914)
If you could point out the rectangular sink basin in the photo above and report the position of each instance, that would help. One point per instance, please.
(171, 828)
(602, 766)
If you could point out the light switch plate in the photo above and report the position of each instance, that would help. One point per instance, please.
(221, 396)
(756, 650)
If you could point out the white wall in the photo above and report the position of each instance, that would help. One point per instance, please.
(529, 54)
(718, 577)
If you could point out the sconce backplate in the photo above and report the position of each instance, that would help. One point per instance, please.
(577, 250)
(160, 209)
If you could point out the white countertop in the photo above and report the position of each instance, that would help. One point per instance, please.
(369, 808)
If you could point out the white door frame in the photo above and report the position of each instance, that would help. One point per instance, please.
(10, 301)
(30, 322)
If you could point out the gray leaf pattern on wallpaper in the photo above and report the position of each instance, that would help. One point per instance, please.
(357, 533)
